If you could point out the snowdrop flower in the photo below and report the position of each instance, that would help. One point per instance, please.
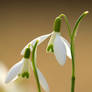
(22, 68)
(60, 47)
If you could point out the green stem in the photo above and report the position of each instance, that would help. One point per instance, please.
(34, 66)
(73, 66)
(77, 23)
(72, 49)
(67, 23)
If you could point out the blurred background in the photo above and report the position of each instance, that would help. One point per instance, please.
(23, 20)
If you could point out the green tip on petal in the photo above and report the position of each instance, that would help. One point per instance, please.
(57, 24)
(27, 53)
(50, 48)
(25, 75)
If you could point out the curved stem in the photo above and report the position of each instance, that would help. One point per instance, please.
(72, 49)
(77, 23)
(67, 22)
(34, 66)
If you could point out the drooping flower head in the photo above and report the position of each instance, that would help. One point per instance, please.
(58, 45)
(22, 68)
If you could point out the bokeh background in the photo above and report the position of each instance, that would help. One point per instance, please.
(23, 20)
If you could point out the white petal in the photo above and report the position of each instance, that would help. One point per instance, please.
(40, 39)
(67, 45)
(42, 80)
(13, 72)
(15, 78)
(59, 50)
(26, 66)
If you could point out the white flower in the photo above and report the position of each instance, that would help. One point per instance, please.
(22, 68)
(60, 47)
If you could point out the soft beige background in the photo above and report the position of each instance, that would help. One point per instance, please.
(22, 21)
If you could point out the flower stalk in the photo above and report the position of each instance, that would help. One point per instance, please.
(72, 49)
(67, 23)
(58, 21)
(73, 66)
(34, 66)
